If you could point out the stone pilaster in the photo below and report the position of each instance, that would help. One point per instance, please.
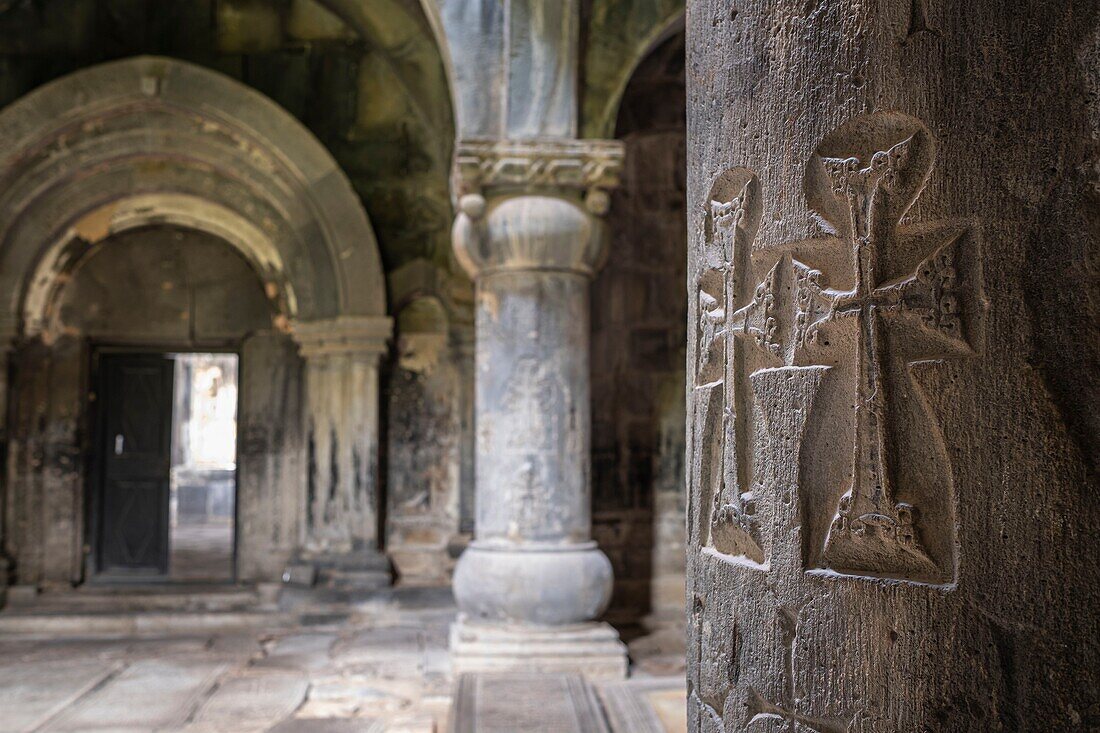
(532, 581)
(340, 527)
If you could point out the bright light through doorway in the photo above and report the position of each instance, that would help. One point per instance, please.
(204, 468)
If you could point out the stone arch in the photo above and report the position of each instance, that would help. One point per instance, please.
(155, 140)
(641, 31)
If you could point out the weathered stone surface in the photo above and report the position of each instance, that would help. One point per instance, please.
(515, 67)
(872, 269)
(232, 223)
(619, 35)
(31, 693)
(127, 702)
(592, 649)
(249, 699)
(486, 703)
(368, 79)
(646, 705)
(271, 470)
(341, 396)
(430, 438)
(329, 725)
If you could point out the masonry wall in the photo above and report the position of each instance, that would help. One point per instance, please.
(428, 456)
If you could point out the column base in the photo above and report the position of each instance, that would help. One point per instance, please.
(541, 585)
(591, 649)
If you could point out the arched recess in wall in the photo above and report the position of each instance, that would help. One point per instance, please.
(154, 141)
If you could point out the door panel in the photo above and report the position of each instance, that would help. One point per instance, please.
(136, 455)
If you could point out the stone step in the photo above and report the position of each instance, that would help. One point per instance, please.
(115, 601)
(54, 625)
(523, 701)
(357, 579)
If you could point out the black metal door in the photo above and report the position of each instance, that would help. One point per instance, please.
(135, 395)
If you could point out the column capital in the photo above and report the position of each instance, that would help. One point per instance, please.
(343, 335)
(533, 204)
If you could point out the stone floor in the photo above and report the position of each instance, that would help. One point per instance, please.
(379, 666)
(202, 552)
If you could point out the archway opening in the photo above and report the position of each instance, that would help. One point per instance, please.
(639, 310)
(156, 148)
(149, 323)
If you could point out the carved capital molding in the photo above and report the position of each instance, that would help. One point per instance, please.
(533, 204)
(362, 336)
(489, 167)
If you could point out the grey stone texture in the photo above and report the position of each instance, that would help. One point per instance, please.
(503, 703)
(430, 429)
(340, 387)
(514, 67)
(892, 366)
(384, 667)
(181, 175)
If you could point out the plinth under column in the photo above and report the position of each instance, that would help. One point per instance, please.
(592, 649)
(528, 605)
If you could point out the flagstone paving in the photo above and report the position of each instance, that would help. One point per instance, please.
(380, 666)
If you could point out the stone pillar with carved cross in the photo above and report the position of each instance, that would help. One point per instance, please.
(893, 360)
(339, 545)
(532, 581)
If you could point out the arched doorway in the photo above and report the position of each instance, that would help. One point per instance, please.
(150, 142)
(161, 315)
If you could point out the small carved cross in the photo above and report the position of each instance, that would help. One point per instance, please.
(731, 526)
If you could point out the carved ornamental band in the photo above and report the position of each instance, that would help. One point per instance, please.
(806, 389)
(587, 165)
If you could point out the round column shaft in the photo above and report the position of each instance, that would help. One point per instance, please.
(532, 561)
(533, 407)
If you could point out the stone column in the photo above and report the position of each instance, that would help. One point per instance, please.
(532, 581)
(893, 366)
(340, 528)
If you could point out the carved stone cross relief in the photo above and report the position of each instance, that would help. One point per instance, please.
(880, 299)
